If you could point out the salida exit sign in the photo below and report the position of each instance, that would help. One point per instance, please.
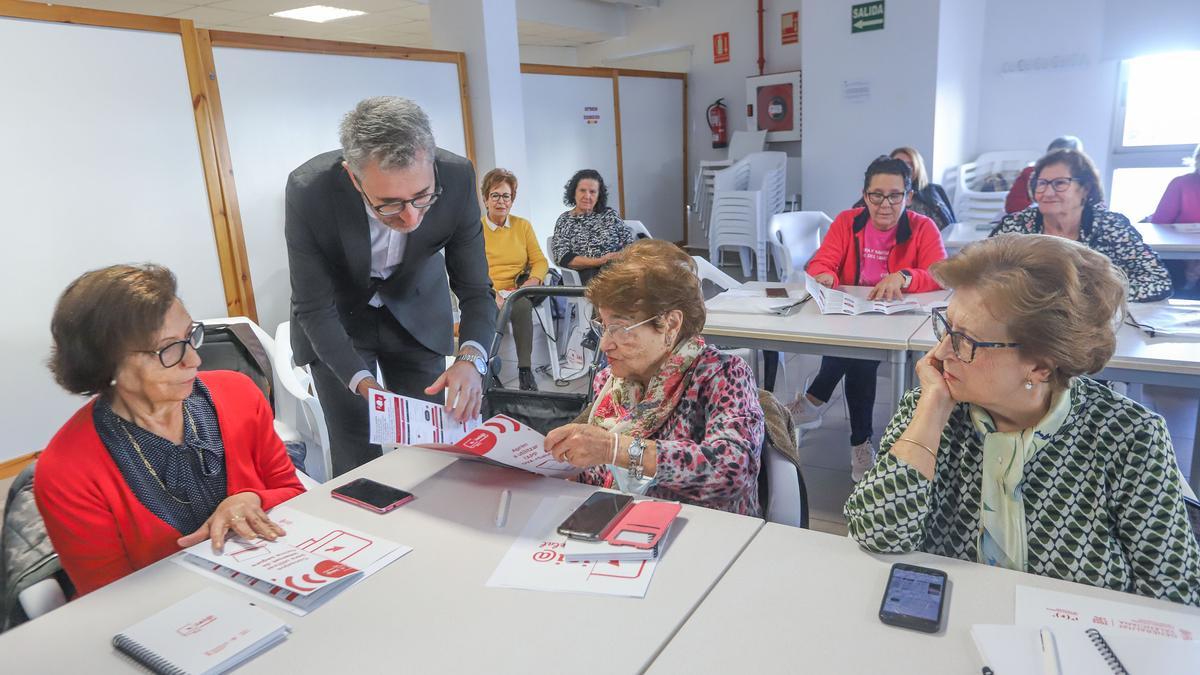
(867, 16)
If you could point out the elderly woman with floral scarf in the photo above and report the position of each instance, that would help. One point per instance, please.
(674, 418)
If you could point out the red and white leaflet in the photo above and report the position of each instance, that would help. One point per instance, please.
(316, 560)
(535, 560)
(401, 420)
(1038, 607)
(506, 441)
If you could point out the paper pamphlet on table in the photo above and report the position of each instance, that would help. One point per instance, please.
(314, 561)
(1178, 319)
(207, 632)
(401, 420)
(755, 301)
(1082, 650)
(535, 560)
(505, 441)
(1037, 607)
(853, 300)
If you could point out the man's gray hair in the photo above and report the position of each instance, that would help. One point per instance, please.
(390, 130)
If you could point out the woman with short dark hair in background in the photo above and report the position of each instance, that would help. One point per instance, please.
(163, 456)
(1070, 204)
(674, 418)
(1180, 203)
(591, 234)
(1007, 455)
(1020, 197)
(515, 261)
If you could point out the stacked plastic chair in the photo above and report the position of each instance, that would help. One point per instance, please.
(746, 195)
(977, 207)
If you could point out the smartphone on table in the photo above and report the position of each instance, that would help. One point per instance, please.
(595, 516)
(915, 598)
(371, 495)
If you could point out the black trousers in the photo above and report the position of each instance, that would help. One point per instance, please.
(860, 391)
(408, 367)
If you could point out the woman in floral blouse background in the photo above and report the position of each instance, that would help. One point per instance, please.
(591, 234)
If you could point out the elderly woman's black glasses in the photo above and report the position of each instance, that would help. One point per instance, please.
(893, 198)
(396, 206)
(1058, 184)
(964, 347)
(172, 354)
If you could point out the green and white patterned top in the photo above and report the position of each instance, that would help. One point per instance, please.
(1103, 503)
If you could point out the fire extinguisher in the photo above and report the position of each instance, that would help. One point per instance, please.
(717, 122)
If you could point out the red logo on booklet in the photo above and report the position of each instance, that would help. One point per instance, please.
(478, 442)
(380, 404)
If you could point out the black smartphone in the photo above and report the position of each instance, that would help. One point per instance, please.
(592, 520)
(777, 292)
(1193, 511)
(915, 598)
(372, 496)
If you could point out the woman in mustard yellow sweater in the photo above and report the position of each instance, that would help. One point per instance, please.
(514, 260)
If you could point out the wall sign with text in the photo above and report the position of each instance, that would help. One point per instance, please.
(867, 16)
(721, 48)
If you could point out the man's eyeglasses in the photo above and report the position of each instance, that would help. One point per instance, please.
(1059, 184)
(617, 330)
(172, 354)
(893, 198)
(964, 347)
(396, 206)
(500, 197)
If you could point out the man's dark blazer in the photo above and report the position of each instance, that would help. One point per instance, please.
(329, 256)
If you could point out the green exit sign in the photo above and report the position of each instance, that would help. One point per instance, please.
(867, 16)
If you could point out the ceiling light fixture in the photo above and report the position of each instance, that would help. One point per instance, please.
(318, 13)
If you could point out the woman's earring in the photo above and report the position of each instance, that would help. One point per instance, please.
(1028, 385)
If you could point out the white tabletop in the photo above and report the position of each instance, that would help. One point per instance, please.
(1169, 242)
(1138, 351)
(809, 326)
(429, 611)
(958, 235)
(804, 601)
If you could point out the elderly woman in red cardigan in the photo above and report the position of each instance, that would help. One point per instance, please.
(162, 457)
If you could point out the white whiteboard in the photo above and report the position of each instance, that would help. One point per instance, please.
(559, 141)
(652, 154)
(283, 108)
(101, 166)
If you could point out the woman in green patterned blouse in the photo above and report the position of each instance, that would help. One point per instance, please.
(1008, 456)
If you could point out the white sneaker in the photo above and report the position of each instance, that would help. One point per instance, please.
(862, 458)
(805, 415)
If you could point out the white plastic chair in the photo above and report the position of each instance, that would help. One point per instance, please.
(710, 272)
(982, 208)
(297, 406)
(570, 276)
(746, 195)
(638, 229)
(42, 597)
(741, 144)
(794, 238)
(786, 501)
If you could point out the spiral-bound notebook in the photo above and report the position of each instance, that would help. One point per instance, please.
(1015, 650)
(204, 634)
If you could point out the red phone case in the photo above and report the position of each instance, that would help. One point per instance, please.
(648, 517)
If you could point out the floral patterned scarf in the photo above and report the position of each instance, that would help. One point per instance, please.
(623, 407)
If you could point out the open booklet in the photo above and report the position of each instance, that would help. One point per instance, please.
(832, 301)
(756, 301)
(300, 571)
(1178, 319)
(505, 441)
(402, 420)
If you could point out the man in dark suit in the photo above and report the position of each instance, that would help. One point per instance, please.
(365, 226)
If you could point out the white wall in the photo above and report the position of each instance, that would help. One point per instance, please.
(899, 64)
(1027, 109)
(956, 109)
(683, 23)
(553, 56)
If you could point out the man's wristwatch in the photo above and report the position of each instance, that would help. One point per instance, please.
(474, 359)
(636, 448)
(907, 278)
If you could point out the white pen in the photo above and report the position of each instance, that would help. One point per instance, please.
(502, 509)
(1050, 664)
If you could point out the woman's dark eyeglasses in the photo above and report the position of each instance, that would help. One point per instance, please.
(172, 354)
(396, 206)
(1058, 184)
(893, 198)
(964, 347)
